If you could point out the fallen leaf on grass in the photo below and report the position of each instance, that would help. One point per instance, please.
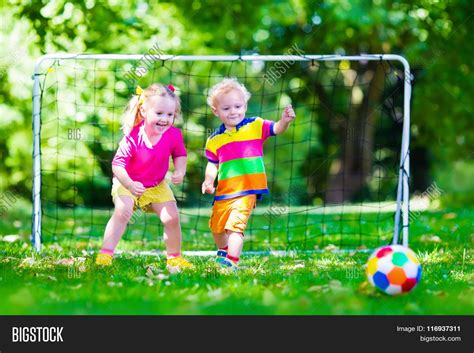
(292, 267)
(56, 247)
(336, 287)
(28, 262)
(11, 238)
(450, 215)
(149, 272)
(412, 307)
(215, 294)
(315, 289)
(8, 259)
(142, 279)
(192, 298)
(51, 278)
(152, 269)
(430, 238)
(331, 247)
(438, 293)
(162, 277)
(66, 262)
(115, 284)
(54, 296)
(367, 289)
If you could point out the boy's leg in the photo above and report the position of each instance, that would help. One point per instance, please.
(222, 242)
(236, 243)
(115, 228)
(235, 227)
(216, 224)
(221, 239)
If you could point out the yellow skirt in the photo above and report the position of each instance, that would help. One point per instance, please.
(157, 194)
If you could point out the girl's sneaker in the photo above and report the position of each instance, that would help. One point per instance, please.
(103, 259)
(177, 264)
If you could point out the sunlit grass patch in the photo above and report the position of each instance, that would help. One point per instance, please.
(63, 279)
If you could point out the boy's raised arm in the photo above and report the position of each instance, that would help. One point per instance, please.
(287, 117)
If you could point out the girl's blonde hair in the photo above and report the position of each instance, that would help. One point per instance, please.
(225, 86)
(134, 117)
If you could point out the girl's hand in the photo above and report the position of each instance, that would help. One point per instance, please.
(177, 177)
(288, 114)
(136, 188)
(208, 187)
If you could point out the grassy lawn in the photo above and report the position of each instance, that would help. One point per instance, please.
(64, 280)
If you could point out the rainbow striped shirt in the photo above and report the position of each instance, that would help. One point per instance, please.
(239, 153)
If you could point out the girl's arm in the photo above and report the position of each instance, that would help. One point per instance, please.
(179, 169)
(287, 117)
(211, 174)
(135, 187)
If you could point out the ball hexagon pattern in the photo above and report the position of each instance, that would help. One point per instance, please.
(393, 269)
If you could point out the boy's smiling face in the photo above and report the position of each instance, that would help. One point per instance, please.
(230, 107)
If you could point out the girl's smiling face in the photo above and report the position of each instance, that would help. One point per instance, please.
(230, 108)
(158, 113)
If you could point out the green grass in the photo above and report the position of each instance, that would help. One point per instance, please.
(64, 280)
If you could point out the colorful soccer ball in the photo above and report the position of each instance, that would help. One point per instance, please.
(394, 269)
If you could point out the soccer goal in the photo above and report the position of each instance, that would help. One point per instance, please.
(339, 177)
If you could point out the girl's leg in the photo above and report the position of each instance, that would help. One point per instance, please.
(169, 216)
(118, 222)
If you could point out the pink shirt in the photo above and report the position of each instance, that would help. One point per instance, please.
(145, 163)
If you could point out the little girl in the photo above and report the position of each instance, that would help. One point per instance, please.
(140, 166)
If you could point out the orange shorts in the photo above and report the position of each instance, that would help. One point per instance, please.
(232, 214)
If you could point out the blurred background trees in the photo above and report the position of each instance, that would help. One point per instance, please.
(432, 35)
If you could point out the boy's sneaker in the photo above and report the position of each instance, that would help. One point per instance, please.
(221, 254)
(226, 263)
(177, 264)
(103, 259)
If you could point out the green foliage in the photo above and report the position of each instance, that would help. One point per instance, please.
(432, 35)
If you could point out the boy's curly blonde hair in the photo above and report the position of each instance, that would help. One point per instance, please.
(225, 86)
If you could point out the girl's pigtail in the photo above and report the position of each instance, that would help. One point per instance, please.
(132, 116)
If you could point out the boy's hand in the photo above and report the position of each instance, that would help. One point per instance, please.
(136, 188)
(177, 177)
(208, 187)
(288, 114)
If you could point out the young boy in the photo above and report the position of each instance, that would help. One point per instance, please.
(235, 155)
